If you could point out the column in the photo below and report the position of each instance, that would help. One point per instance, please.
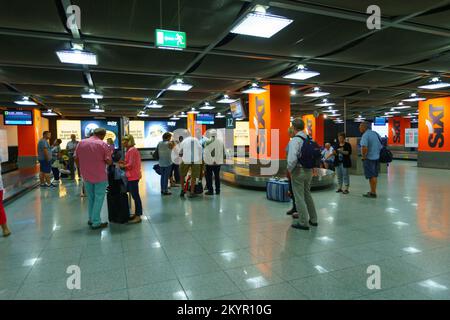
(28, 137)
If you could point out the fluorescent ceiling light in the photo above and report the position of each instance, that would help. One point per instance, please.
(401, 107)
(193, 111)
(179, 85)
(239, 119)
(92, 96)
(302, 73)
(414, 97)
(77, 57)
(153, 105)
(330, 110)
(183, 115)
(261, 24)
(26, 102)
(293, 92)
(97, 109)
(207, 106)
(434, 84)
(226, 99)
(142, 114)
(49, 113)
(317, 93)
(392, 112)
(174, 118)
(325, 103)
(219, 115)
(255, 89)
(334, 115)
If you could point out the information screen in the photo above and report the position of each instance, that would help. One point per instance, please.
(203, 118)
(379, 121)
(18, 118)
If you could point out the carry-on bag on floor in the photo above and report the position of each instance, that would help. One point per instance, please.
(277, 190)
(118, 208)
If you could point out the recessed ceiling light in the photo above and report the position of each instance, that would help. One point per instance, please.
(219, 115)
(25, 102)
(434, 84)
(302, 73)
(316, 92)
(401, 105)
(179, 85)
(325, 103)
(174, 118)
(77, 57)
(261, 24)
(255, 89)
(293, 92)
(226, 99)
(414, 97)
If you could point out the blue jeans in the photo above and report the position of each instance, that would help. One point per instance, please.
(165, 175)
(133, 188)
(96, 195)
(342, 175)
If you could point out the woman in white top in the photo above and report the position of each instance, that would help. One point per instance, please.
(3, 220)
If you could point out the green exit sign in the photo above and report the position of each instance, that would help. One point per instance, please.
(170, 39)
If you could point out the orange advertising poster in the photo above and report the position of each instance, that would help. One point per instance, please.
(259, 119)
(434, 125)
(314, 127)
(396, 134)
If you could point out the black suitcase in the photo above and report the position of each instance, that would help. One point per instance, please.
(118, 209)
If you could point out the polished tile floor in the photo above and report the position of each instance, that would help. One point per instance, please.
(237, 245)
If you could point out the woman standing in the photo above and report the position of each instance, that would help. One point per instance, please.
(342, 152)
(56, 156)
(165, 162)
(3, 219)
(132, 167)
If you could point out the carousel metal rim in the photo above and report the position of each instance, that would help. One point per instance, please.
(228, 175)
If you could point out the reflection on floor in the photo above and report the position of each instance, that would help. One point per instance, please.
(237, 245)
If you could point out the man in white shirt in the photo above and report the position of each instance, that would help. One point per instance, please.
(191, 155)
(301, 179)
(213, 156)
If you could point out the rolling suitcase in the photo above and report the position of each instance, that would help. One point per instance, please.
(118, 208)
(277, 190)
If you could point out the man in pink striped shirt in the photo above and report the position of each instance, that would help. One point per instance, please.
(92, 156)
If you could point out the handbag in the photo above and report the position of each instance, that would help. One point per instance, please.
(157, 169)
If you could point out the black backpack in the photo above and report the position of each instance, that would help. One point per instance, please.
(310, 153)
(385, 154)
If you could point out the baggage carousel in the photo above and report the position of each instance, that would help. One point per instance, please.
(239, 174)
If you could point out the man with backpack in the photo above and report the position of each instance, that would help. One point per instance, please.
(303, 156)
(370, 155)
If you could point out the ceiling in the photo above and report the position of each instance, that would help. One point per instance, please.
(368, 70)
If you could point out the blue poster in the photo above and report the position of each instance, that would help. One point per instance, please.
(153, 132)
(111, 126)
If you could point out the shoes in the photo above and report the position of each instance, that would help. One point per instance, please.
(43, 186)
(51, 185)
(100, 226)
(345, 192)
(339, 190)
(290, 212)
(167, 193)
(136, 219)
(314, 224)
(89, 223)
(209, 193)
(295, 215)
(182, 193)
(370, 195)
(299, 226)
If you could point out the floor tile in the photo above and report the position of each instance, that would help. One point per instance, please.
(208, 286)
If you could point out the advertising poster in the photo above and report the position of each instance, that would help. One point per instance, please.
(434, 123)
(112, 129)
(411, 138)
(65, 128)
(137, 131)
(153, 132)
(397, 126)
(242, 133)
(3, 146)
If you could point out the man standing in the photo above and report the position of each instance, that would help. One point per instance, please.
(301, 178)
(92, 156)
(213, 156)
(44, 157)
(370, 155)
(71, 146)
(191, 153)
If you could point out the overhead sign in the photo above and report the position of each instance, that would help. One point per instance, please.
(170, 39)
